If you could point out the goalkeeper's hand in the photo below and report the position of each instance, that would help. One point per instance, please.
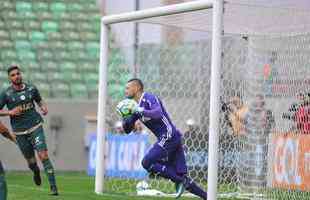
(139, 110)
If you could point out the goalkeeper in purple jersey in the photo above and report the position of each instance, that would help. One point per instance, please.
(166, 158)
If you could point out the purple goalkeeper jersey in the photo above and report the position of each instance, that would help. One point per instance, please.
(156, 118)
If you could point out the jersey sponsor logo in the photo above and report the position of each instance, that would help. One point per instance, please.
(26, 106)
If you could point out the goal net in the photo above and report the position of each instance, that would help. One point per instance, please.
(264, 93)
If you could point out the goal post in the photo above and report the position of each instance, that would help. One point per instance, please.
(215, 78)
(228, 74)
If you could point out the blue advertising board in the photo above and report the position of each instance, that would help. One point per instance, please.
(124, 155)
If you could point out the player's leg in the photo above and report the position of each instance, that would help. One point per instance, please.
(3, 186)
(39, 143)
(187, 183)
(25, 146)
(153, 163)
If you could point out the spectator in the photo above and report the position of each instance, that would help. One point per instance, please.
(118, 128)
(235, 111)
(299, 112)
(139, 128)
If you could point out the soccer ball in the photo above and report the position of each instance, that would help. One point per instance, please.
(142, 185)
(126, 107)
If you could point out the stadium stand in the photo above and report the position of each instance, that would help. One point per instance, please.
(57, 45)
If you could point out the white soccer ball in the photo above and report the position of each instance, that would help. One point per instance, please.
(142, 185)
(126, 107)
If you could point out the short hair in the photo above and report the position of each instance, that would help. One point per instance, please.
(138, 81)
(11, 68)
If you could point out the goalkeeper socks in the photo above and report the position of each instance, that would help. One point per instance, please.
(193, 188)
(49, 170)
(166, 172)
(3, 187)
(33, 167)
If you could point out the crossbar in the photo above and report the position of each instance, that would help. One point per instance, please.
(157, 12)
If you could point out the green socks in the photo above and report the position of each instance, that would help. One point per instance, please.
(49, 170)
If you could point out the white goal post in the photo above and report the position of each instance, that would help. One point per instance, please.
(217, 7)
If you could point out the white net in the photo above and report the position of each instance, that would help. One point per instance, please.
(263, 139)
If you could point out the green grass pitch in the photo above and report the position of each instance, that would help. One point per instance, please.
(72, 186)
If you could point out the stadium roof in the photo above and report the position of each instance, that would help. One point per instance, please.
(249, 17)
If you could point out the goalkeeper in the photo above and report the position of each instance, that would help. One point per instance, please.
(3, 188)
(166, 158)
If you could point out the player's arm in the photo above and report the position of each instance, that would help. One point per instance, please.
(129, 122)
(4, 131)
(155, 111)
(14, 112)
(38, 99)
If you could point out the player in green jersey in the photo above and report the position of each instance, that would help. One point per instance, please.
(3, 187)
(21, 99)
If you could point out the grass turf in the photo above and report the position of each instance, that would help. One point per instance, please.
(72, 186)
(79, 186)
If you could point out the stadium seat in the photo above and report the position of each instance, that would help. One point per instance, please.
(54, 36)
(49, 66)
(92, 90)
(68, 67)
(4, 34)
(32, 25)
(74, 7)
(57, 46)
(39, 6)
(60, 90)
(73, 77)
(44, 89)
(26, 15)
(3, 75)
(26, 55)
(81, 16)
(22, 6)
(63, 16)
(79, 90)
(37, 76)
(93, 49)
(49, 26)
(14, 24)
(6, 44)
(19, 35)
(44, 15)
(22, 45)
(75, 45)
(80, 55)
(7, 5)
(31, 66)
(40, 45)
(70, 35)
(91, 78)
(89, 36)
(45, 55)
(67, 25)
(8, 54)
(37, 36)
(62, 56)
(55, 77)
(9, 14)
(2, 24)
(85, 26)
(58, 7)
(88, 66)
(116, 91)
